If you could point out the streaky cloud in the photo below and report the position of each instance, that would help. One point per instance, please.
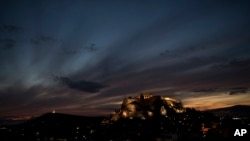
(81, 85)
(9, 28)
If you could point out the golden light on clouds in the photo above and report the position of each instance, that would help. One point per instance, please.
(216, 101)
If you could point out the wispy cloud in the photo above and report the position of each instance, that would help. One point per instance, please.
(234, 63)
(7, 43)
(9, 28)
(216, 101)
(81, 85)
(68, 50)
(43, 39)
(238, 90)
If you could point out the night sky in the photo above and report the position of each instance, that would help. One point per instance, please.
(84, 57)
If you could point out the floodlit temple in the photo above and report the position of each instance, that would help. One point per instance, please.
(146, 105)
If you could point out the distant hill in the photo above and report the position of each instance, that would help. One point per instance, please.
(235, 111)
(53, 118)
(10, 122)
(60, 119)
(51, 126)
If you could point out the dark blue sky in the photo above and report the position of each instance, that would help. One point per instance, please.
(85, 57)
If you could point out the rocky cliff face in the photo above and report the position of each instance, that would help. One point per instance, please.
(146, 105)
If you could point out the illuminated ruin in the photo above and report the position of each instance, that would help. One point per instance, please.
(146, 105)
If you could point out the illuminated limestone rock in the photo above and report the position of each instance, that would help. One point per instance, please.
(146, 105)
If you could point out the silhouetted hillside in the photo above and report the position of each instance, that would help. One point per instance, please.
(50, 126)
(61, 118)
(190, 125)
(4, 121)
(234, 111)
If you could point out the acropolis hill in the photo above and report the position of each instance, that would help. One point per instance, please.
(147, 105)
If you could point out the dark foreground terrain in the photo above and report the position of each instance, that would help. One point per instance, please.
(192, 126)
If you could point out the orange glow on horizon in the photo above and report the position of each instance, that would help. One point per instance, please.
(21, 118)
(216, 101)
